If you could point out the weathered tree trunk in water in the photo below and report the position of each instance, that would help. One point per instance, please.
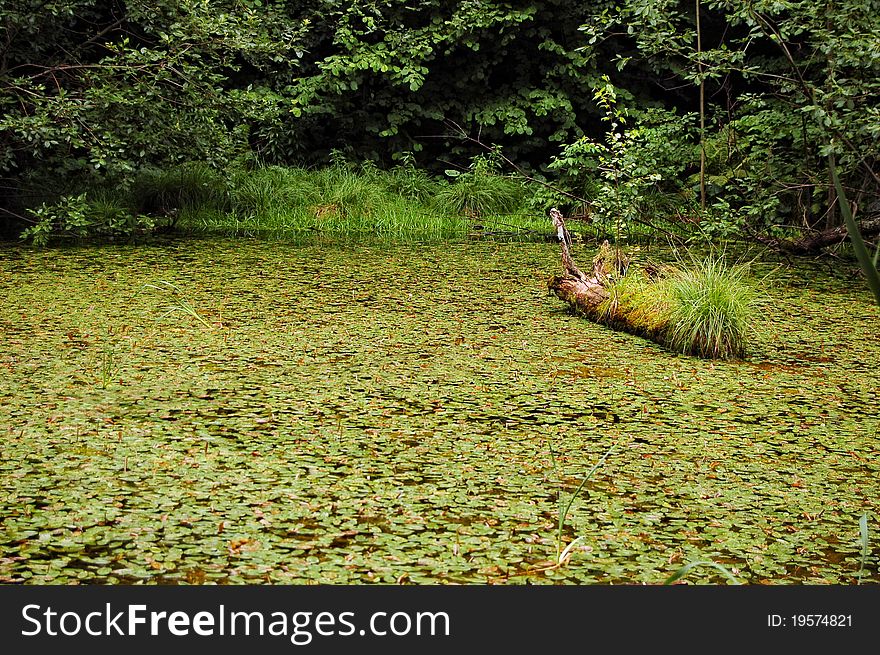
(592, 294)
(706, 311)
(584, 292)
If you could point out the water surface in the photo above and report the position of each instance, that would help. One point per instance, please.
(414, 413)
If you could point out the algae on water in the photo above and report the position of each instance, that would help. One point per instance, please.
(359, 413)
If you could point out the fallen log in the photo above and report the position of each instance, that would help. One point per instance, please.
(706, 311)
(590, 294)
(815, 242)
(581, 291)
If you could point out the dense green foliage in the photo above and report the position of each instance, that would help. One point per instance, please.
(616, 103)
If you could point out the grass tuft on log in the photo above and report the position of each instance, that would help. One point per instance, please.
(705, 308)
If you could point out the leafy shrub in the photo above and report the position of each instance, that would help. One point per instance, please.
(77, 216)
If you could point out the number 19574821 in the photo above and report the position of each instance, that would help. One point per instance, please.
(810, 621)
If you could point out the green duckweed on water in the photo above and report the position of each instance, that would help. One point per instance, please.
(248, 411)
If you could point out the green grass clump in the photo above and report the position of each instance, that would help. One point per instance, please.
(705, 309)
(111, 209)
(406, 182)
(710, 309)
(349, 197)
(270, 190)
(479, 193)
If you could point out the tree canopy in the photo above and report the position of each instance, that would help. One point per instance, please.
(741, 114)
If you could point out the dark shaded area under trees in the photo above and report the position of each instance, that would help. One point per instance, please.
(601, 99)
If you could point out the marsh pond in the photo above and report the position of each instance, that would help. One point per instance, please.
(246, 411)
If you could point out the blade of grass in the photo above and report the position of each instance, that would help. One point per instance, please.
(687, 568)
(181, 305)
(861, 251)
(563, 513)
(863, 538)
(568, 549)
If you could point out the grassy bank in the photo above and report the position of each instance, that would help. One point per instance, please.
(343, 199)
(340, 200)
(403, 202)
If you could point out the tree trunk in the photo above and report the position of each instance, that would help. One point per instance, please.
(587, 293)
